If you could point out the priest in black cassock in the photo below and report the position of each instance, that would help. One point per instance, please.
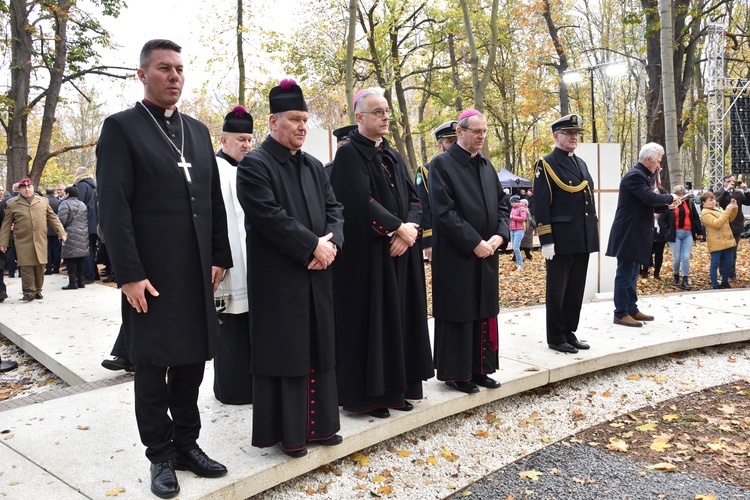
(470, 222)
(163, 218)
(233, 381)
(294, 232)
(383, 344)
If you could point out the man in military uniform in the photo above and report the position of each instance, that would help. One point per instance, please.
(342, 137)
(568, 231)
(445, 135)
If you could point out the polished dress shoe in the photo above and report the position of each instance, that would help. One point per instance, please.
(467, 387)
(407, 407)
(331, 441)
(627, 320)
(197, 462)
(27, 297)
(118, 364)
(3, 296)
(566, 347)
(579, 345)
(38, 296)
(379, 413)
(48, 272)
(295, 453)
(639, 316)
(163, 480)
(485, 381)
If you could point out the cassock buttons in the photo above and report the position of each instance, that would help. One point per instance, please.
(192, 198)
(195, 216)
(167, 122)
(173, 136)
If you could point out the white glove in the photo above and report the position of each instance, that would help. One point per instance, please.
(548, 251)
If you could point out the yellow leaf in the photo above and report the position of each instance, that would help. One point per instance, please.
(660, 445)
(378, 479)
(404, 453)
(530, 474)
(467, 493)
(671, 417)
(360, 458)
(607, 394)
(648, 427)
(115, 491)
(385, 490)
(727, 410)
(546, 439)
(481, 433)
(633, 377)
(717, 446)
(448, 455)
(710, 496)
(450, 486)
(663, 466)
(617, 445)
(432, 460)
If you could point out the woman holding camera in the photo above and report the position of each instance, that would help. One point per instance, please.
(681, 225)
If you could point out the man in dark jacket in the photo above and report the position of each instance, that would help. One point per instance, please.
(382, 340)
(724, 195)
(470, 222)
(53, 243)
(294, 233)
(631, 236)
(445, 135)
(563, 201)
(90, 197)
(163, 215)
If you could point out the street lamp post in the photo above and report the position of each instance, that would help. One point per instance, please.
(612, 68)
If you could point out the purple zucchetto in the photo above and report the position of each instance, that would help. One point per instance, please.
(238, 121)
(468, 114)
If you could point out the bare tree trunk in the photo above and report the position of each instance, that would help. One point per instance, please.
(350, 40)
(668, 91)
(454, 72)
(240, 54)
(562, 64)
(53, 91)
(20, 72)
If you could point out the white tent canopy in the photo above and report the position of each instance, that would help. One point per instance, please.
(508, 180)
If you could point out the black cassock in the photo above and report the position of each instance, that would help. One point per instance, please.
(383, 346)
(467, 208)
(289, 205)
(161, 228)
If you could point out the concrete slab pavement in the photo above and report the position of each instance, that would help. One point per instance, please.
(88, 442)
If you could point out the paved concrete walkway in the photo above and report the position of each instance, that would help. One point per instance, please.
(85, 443)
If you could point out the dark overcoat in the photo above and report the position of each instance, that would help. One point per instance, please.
(381, 309)
(161, 228)
(632, 233)
(564, 206)
(30, 217)
(288, 204)
(467, 207)
(420, 184)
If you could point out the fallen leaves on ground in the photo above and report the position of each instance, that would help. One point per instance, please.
(534, 475)
(705, 433)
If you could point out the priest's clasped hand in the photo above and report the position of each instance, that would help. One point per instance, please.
(324, 254)
(483, 250)
(408, 231)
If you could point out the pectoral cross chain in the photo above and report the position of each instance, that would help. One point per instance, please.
(185, 166)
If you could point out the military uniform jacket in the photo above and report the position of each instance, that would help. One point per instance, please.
(631, 236)
(161, 228)
(30, 217)
(421, 186)
(289, 205)
(468, 207)
(564, 204)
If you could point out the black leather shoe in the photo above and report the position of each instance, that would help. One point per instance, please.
(118, 364)
(163, 480)
(467, 387)
(579, 345)
(48, 272)
(27, 297)
(331, 441)
(379, 413)
(38, 296)
(3, 296)
(563, 348)
(295, 453)
(197, 462)
(407, 407)
(485, 381)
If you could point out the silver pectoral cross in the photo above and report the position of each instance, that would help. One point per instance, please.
(185, 166)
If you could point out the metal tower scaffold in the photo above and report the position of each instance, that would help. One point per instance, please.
(717, 88)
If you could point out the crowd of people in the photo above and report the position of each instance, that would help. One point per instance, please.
(306, 283)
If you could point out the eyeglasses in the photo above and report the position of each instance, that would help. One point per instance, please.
(379, 112)
(571, 133)
(477, 131)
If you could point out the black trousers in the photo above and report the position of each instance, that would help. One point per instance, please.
(120, 349)
(566, 281)
(178, 394)
(53, 253)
